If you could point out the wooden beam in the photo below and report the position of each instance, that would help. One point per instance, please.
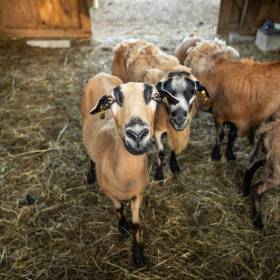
(45, 33)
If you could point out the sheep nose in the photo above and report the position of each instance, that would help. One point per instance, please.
(137, 135)
(179, 117)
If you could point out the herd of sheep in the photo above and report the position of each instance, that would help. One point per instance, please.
(150, 94)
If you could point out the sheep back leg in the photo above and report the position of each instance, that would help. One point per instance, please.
(173, 163)
(216, 152)
(231, 138)
(257, 192)
(123, 224)
(246, 187)
(160, 157)
(256, 161)
(91, 177)
(138, 250)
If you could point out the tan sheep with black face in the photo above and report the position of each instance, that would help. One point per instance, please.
(266, 155)
(118, 124)
(243, 92)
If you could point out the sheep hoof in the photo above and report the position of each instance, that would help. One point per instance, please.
(175, 169)
(124, 228)
(138, 255)
(91, 179)
(159, 174)
(243, 191)
(257, 221)
(230, 157)
(216, 155)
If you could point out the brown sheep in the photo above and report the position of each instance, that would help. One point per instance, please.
(204, 102)
(244, 92)
(133, 57)
(183, 47)
(116, 142)
(266, 154)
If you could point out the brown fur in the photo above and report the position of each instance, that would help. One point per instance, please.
(125, 175)
(183, 47)
(133, 58)
(266, 154)
(271, 142)
(243, 92)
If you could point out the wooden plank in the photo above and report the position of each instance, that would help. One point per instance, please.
(246, 16)
(45, 33)
(84, 6)
(224, 16)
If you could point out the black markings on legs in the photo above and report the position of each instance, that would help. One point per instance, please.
(173, 163)
(91, 178)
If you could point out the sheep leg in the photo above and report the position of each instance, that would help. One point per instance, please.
(138, 250)
(216, 153)
(173, 163)
(123, 224)
(231, 138)
(256, 161)
(246, 187)
(257, 192)
(251, 136)
(222, 134)
(160, 159)
(91, 178)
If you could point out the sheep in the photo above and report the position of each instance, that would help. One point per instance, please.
(133, 57)
(244, 93)
(267, 155)
(116, 141)
(204, 102)
(174, 120)
(183, 47)
(143, 61)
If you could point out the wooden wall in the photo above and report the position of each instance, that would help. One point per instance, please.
(246, 16)
(45, 18)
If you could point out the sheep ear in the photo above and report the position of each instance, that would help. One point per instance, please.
(165, 95)
(200, 88)
(103, 104)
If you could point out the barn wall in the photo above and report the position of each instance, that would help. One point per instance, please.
(45, 18)
(246, 16)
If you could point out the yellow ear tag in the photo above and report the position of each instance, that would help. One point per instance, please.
(165, 100)
(204, 94)
(102, 113)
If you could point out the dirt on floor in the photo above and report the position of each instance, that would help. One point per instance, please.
(196, 226)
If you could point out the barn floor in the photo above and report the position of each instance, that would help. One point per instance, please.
(196, 226)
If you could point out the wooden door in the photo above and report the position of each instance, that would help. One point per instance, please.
(45, 18)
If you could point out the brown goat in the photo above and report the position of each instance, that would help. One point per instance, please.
(116, 142)
(244, 93)
(266, 154)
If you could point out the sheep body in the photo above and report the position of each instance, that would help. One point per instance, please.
(243, 92)
(266, 155)
(133, 57)
(183, 47)
(120, 174)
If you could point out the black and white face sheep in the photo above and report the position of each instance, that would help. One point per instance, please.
(175, 120)
(118, 125)
(266, 155)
